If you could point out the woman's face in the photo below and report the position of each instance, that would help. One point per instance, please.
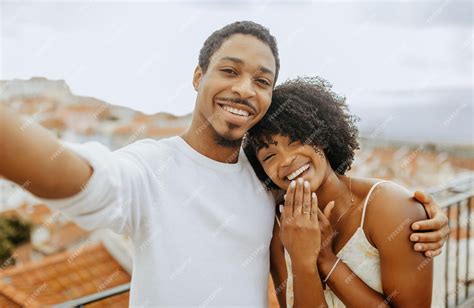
(284, 161)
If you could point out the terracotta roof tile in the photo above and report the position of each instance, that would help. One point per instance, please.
(64, 234)
(22, 253)
(63, 277)
(37, 214)
(6, 302)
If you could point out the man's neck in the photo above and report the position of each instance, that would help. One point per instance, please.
(201, 138)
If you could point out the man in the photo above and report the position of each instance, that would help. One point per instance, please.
(199, 219)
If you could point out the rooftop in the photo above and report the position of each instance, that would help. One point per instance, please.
(63, 277)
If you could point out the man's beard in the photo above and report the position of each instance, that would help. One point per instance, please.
(225, 142)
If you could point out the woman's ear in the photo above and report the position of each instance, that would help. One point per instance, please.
(197, 77)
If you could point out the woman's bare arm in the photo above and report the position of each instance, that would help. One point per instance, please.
(278, 266)
(406, 274)
(349, 288)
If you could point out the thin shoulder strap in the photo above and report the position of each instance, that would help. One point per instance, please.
(367, 198)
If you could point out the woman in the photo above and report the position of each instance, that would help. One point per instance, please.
(357, 253)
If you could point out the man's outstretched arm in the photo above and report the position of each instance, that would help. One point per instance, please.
(33, 158)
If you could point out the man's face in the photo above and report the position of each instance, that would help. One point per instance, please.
(236, 90)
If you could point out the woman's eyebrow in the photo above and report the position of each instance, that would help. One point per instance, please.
(268, 145)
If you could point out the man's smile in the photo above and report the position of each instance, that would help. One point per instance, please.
(235, 113)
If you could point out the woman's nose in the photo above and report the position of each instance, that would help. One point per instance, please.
(288, 160)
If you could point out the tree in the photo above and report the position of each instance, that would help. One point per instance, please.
(14, 231)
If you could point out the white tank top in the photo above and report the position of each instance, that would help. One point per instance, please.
(358, 254)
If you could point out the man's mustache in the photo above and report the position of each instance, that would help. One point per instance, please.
(239, 101)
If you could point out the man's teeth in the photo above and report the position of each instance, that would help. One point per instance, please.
(236, 111)
(297, 172)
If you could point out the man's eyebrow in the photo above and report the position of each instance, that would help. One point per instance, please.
(233, 59)
(263, 69)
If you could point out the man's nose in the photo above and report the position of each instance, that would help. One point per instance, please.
(244, 88)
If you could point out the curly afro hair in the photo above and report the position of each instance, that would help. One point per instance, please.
(215, 40)
(306, 109)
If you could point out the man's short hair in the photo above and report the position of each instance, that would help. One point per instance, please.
(215, 40)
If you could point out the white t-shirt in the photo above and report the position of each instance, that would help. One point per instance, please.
(201, 229)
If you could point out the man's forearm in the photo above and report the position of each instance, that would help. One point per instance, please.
(33, 158)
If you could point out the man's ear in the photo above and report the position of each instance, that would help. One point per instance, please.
(197, 77)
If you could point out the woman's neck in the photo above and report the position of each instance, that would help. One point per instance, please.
(335, 188)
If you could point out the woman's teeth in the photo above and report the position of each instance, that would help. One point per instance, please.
(236, 111)
(296, 173)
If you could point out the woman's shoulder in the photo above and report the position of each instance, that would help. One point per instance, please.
(387, 197)
(391, 209)
(387, 193)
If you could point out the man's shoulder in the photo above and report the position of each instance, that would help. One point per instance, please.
(149, 145)
(149, 150)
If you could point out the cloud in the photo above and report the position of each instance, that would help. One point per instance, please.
(142, 54)
(456, 13)
(438, 115)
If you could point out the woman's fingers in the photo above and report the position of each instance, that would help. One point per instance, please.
(289, 197)
(286, 215)
(328, 210)
(314, 206)
(306, 199)
(298, 203)
(321, 217)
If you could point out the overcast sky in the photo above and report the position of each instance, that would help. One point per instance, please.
(142, 55)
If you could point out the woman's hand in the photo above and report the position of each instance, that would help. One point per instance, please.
(300, 233)
(328, 234)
